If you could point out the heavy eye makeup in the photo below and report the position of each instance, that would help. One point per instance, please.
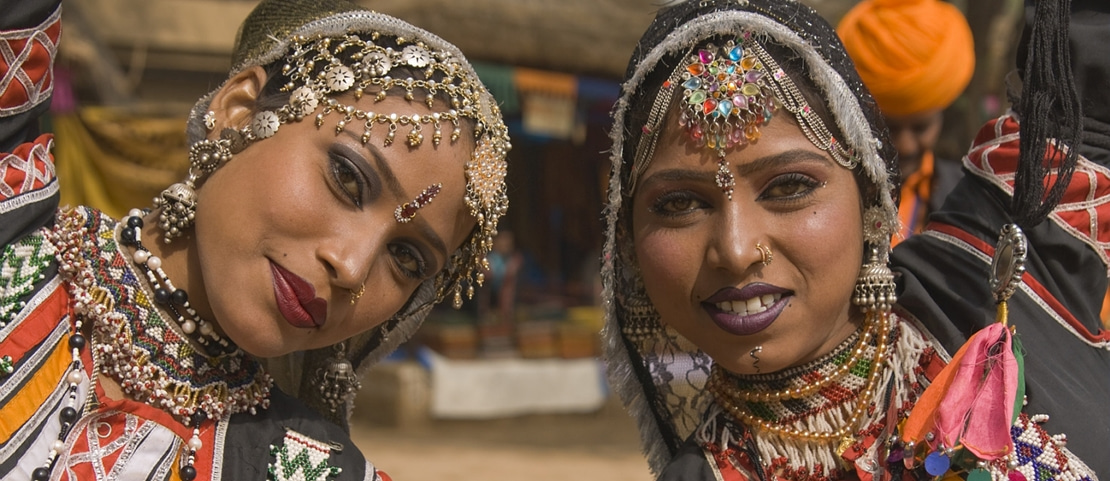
(409, 260)
(790, 187)
(676, 203)
(351, 176)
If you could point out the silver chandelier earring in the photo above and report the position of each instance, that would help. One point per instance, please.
(875, 288)
(177, 204)
(337, 380)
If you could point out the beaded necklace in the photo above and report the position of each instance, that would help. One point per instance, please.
(23, 263)
(757, 404)
(801, 433)
(842, 362)
(139, 346)
(174, 300)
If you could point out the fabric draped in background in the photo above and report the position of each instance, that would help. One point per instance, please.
(117, 159)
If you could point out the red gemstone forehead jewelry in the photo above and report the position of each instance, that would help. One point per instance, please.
(727, 98)
(407, 211)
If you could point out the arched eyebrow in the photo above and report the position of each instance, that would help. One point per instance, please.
(786, 157)
(681, 175)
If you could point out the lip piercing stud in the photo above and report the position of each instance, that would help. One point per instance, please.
(765, 253)
(752, 353)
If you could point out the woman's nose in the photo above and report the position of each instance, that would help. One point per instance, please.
(349, 255)
(736, 242)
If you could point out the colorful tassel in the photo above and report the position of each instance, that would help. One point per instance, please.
(978, 407)
(972, 401)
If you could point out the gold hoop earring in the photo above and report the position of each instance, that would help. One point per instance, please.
(765, 253)
(356, 295)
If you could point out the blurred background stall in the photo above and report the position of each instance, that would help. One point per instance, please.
(514, 375)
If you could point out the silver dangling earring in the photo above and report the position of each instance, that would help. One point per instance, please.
(875, 288)
(178, 203)
(641, 321)
(337, 381)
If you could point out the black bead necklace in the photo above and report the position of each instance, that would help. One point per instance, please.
(69, 414)
(173, 299)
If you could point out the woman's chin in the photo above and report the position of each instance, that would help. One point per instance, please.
(263, 346)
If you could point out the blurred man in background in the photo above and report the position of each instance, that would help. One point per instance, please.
(916, 57)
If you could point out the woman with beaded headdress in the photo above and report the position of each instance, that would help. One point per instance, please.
(758, 324)
(346, 177)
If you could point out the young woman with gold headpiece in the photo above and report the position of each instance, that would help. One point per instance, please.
(759, 326)
(346, 177)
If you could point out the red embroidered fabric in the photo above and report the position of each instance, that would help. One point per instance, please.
(1084, 211)
(27, 65)
(29, 168)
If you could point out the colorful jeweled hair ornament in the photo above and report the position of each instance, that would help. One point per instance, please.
(728, 93)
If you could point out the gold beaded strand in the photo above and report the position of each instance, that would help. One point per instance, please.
(812, 387)
(727, 396)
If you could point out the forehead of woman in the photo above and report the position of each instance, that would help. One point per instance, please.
(796, 36)
(409, 171)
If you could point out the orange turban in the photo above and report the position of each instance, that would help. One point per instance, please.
(913, 55)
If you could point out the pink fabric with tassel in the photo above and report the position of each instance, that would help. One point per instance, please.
(979, 405)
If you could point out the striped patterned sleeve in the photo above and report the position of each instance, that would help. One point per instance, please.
(29, 34)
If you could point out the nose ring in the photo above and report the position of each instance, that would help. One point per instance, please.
(356, 295)
(765, 253)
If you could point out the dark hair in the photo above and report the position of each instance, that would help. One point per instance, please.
(1049, 109)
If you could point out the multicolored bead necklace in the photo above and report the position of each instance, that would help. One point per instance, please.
(741, 404)
(73, 379)
(813, 382)
(133, 343)
(166, 295)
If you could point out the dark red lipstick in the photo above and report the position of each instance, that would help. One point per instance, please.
(296, 299)
(746, 324)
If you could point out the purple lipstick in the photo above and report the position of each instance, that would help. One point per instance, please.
(746, 311)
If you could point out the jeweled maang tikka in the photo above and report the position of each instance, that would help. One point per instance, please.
(728, 93)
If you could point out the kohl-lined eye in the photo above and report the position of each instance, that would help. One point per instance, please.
(793, 186)
(349, 180)
(677, 203)
(409, 260)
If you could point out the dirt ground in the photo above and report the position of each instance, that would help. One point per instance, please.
(583, 447)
